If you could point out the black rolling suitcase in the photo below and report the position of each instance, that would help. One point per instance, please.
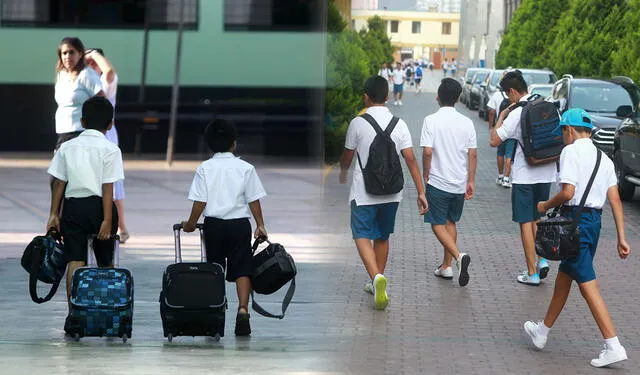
(193, 300)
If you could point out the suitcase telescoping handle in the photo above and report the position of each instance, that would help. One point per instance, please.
(176, 237)
(91, 258)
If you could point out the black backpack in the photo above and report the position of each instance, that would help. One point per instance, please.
(383, 174)
(541, 135)
(273, 267)
(408, 72)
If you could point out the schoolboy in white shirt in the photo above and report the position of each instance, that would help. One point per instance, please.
(84, 170)
(577, 161)
(449, 160)
(228, 191)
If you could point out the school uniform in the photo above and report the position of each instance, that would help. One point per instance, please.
(85, 163)
(507, 147)
(227, 185)
(373, 216)
(451, 135)
(110, 92)
(576, 164)
(531, 184)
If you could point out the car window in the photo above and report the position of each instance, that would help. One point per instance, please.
(495, 79)
(539, 78)
(545, 92)
(480, 76)
(470, 73)
(599, 98)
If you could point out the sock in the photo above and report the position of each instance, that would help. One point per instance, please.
(543, 330)
(500, 176)
(612, 343)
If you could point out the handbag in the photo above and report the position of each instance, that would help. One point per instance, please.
(45, 260)
(558, 237)
(273, 267)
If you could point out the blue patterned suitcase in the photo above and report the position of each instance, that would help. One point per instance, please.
(102, 302)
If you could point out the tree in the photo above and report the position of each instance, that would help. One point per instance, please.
(376, 43)
(624, 60)
(335, 23)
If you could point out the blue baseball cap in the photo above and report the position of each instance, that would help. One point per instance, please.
(576, 117)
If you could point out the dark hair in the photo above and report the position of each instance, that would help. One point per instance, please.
(580, 129)
(220, 135)
(78, 46)
(377, 89)
(449, 91)
(97, 113)
(513, 80)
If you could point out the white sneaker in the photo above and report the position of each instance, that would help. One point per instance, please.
(445, 273)
(395, 103)
(531, 329)
(462, 266)
(380, 292)
(399, 102)
(609, 356)
(499, 181)
(368, 287)
(506, 182)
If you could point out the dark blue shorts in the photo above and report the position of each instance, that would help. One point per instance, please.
(375, 222)
(397, 88)
(507, 148)
(443, 206)
(580, 268)
(418, 80)
(524, 201)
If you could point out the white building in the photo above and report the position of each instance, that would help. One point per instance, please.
(364, 4)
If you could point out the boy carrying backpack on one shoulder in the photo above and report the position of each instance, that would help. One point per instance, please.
(378, 138)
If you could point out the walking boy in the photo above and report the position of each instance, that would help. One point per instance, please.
(531, 184)
(373, 216)
(449, 163)
(228, 191)
(84, 170)
(418, 79)
(397, 76)
(578, 157)
(506, 148)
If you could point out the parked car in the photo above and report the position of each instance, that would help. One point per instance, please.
(607, 101)
(538, 76)
(489, 87)
(466, 84)
(475, 94)
(626, 155)
(542, 90)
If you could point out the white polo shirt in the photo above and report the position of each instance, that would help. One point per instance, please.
(384, 72)
(227, 184)
(70, 95)
(398, 76)
(451, 135)
(521, 171)
(360, 135)
(576, 165)
(495, 101)
(85, 163)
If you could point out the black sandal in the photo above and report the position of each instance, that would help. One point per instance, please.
(243, 327)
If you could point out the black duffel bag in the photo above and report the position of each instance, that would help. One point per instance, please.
(45, 260)
(273, 268)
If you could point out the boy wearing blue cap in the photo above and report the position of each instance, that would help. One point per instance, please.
(579, 156)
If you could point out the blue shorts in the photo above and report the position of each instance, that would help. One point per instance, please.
(443, 206)
(580, 268)
(507, 148)
(374, 222)
(397, 88)
(524, 201)
(418, 80)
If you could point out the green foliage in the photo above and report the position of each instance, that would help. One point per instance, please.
(376, 43)
(335, 23)
(625, 59)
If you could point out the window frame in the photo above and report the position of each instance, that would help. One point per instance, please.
(446, 28)
(413, 27)
(394, 22)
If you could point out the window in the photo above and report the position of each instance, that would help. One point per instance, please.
(446, 28)
(273, 15)
(159, 14)
(416, 27)
(394, 26)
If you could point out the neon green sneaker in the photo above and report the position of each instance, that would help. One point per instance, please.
(380, 292)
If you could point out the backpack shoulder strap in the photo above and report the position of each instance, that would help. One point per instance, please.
(591, 179)
(285, 303)
(391, 126)
(373, 122)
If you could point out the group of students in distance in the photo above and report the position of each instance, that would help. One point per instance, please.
(226, 189)
(449, 167)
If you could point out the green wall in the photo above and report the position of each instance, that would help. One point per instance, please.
(210, 56)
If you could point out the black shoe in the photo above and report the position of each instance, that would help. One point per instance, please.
(243, 327)
(67, 325)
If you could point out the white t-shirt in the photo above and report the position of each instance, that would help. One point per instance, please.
(360, 135)
(576, 165)
(227, 184)
(398, 76)
(451, 135)
(110, 92)
(521, 171)
(384, 72)
(495, 101)
(70, 95)
(85, 163)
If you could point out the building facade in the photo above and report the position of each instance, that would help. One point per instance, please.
(364, 4)
(429, 36)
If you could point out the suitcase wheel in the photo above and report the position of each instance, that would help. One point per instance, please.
(76, 336)
(124, 338)
(170, 337)
(217, 337)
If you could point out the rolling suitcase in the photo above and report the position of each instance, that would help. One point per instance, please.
(193, 300)
(102, 299)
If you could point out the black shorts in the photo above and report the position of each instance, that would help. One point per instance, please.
(228, 243)
(63, 137)
(81, 217)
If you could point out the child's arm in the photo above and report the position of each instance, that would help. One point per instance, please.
(618, 216)
(256, 211)
(56, 198)
(563, 196)
(414, 170)
(471, 179)
(345, 164)
(196, 211)
(107, 211)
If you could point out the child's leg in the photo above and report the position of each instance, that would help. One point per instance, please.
(591, 293)
(446, 239)
(527, 235)
(453, 232)
(560, 295)
(368, 256)
(381, 250)
(243, 288)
